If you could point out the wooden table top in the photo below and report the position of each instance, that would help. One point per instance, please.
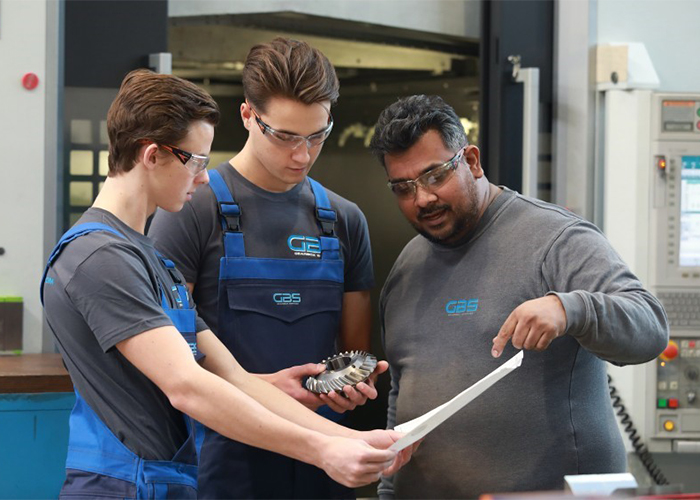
(31, 373)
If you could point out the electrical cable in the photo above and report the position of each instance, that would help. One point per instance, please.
(640, 448)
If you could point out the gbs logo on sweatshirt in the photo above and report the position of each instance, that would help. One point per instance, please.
(461, 306)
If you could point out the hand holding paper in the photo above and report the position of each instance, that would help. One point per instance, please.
(419, 427)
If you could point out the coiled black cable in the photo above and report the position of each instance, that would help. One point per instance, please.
(640, 448)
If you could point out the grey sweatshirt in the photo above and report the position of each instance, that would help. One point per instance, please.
(440, 309)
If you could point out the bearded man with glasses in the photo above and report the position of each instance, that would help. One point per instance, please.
(280, 268)
(493, 272)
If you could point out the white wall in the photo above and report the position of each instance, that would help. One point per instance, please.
(23, 36)
(670, 31)
(452, 17)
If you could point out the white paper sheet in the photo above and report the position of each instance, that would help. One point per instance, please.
(419, 427)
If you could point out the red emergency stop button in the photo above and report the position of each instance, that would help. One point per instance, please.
(30, 81)
(671, 351)
(673, 403)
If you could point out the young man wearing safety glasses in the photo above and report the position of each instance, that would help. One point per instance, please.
(142, 362)
(279, 267)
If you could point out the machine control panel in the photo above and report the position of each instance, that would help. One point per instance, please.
(673, 404)
(678, 389)
(680, 115)
(660, 240)
(676, 203)
(682, 309)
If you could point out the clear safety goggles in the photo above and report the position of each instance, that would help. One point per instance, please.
(293, 141)
(193, 162)
(430, 180)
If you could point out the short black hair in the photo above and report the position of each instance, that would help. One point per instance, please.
(404, 122)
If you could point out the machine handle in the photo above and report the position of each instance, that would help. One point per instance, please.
(530, 78)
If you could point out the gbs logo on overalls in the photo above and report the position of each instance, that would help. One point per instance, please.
(463, 306)
(287, 298)
(304, 245)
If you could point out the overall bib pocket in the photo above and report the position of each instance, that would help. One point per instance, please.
(280, 324)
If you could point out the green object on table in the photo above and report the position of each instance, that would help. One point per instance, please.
(11, 299)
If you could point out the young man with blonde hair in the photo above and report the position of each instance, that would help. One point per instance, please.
(279, 267)
(142, 362)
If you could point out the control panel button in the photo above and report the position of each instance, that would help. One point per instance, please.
(663, 386)
(673, 403)
(669, 425)
(692, 396)
(662, 403)
(661, 163)
(673, 385)
(671, 351)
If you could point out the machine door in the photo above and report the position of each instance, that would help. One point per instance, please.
(511, 30)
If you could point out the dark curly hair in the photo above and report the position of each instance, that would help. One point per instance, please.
(404, 122)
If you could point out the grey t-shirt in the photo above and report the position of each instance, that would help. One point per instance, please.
(441, 308)
(101, 290)
(193, 237)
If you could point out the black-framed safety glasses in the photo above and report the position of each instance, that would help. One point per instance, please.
(193, 162)
(430, 180)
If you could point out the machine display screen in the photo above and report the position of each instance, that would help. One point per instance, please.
(690, 212)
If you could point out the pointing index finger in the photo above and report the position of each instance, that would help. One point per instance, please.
(504, 335)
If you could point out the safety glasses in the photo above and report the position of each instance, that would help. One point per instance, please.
(192, 162)
(293, 141)
(430, 180)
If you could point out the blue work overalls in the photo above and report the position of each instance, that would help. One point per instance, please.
(98, 464)
(273, 313)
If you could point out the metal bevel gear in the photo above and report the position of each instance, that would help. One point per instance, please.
(345, 368)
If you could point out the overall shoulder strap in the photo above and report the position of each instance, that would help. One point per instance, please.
(327, 217)
(178, 289)
(229, 215)
(73, 233)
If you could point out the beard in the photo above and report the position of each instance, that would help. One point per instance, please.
(464, 218)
